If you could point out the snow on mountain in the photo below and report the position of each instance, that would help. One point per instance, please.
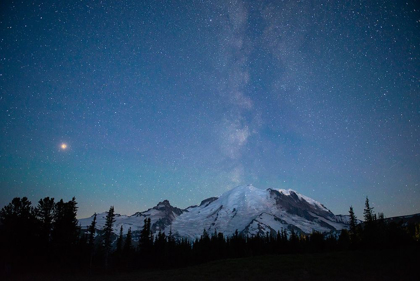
(235, 209)
(161, 216)
(290, 192)
(247, 209)
(265, 223)
(251, 210)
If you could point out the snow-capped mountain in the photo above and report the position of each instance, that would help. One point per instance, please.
(247, 209)
(161, 216)
(251, 210)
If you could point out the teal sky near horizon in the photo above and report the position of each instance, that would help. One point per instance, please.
(184, 100)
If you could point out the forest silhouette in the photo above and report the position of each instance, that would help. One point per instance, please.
(47, 238)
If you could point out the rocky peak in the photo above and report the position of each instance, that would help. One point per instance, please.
(208, 201)
(296, 204)
(163, 205)
(167, 208)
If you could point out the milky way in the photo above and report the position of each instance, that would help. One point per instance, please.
(183, 100)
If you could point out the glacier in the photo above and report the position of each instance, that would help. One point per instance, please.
(246, 209)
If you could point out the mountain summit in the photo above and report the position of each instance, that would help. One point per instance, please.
(254, 211)
(247, 209)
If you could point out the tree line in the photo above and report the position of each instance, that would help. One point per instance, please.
(47, 237)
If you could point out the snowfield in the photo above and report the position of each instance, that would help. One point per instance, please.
(247, 209)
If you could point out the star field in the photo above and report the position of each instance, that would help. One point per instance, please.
(129, 103)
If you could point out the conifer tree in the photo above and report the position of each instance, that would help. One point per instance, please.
(368, 212)
(344, 239)
(45, 215)
(205, 236)
(128, 243)
(170, 236)
(294, 241)
(120, 241)
(109, 221)
(171, 245)
(145, 239)
(160, 247)
(19, 226)
(353, 226)
(18, 208)
(91, 239)
(65, 229)
(92, 230)
(370, 234)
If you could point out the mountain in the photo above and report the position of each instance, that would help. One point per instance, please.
(405, 220)
(254, 211)
(247, 209)
(161, 216)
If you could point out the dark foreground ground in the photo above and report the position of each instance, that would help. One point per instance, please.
(356, 265)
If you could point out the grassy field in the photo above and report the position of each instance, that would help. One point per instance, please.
(359, 265)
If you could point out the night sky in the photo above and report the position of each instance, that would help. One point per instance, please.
(184, 100)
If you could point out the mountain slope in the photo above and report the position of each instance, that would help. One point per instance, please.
(247, 209)
(250, 211)
(161, 217)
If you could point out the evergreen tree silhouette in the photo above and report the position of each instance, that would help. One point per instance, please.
(19, 230)
(45, 215)
(92, 230)
(353, 232)
(145, 239)
(368, 212)
(344, 239)
(91, 239)
(109, 221)
(128, 244)
(160, 248)
(65, 233)
(120, 241)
